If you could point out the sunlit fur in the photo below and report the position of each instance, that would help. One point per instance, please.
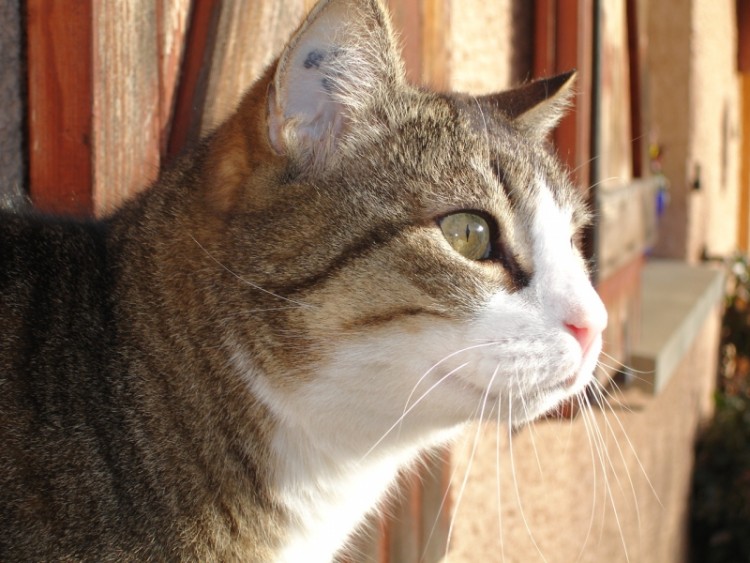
(280, 323)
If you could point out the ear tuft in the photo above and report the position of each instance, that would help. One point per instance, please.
(538, 106)
(337, 64)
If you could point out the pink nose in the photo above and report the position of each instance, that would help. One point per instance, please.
(584, 334)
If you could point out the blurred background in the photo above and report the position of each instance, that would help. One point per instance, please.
(96, 95)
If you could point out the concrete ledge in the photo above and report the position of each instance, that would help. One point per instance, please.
(676, 300)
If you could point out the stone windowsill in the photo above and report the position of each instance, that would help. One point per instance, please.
(676, 301)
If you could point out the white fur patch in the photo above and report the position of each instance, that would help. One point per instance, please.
(383, 395)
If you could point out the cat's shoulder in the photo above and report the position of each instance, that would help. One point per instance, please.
(37, 244)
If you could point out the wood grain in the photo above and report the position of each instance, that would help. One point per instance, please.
(126, 100)
(60, 97)
(173, 17)
(249, 36)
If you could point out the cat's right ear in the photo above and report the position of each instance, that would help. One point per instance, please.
(342, 57)
(538, 106)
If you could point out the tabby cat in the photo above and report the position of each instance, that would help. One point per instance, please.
(234, 365)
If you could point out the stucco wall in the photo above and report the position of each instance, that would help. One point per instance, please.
(695, 117)
(491, 44)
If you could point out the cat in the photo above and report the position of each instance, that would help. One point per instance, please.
(235, 364)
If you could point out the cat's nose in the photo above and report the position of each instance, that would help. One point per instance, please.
(584, 334)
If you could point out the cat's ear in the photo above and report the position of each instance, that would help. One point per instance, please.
(342, 57)
(538, 106)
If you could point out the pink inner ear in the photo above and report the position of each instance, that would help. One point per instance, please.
(304, 116)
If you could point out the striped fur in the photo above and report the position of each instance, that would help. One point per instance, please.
(235, 364)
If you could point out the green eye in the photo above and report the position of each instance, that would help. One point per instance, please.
(468, 234)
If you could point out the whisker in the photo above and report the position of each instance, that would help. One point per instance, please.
(515, 478)
(412, 407)
(469, 465)
(498, 483)
(634, 452)
(439, 363)
(247, 282)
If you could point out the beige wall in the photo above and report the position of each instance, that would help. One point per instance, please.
(694, 106)
(490, 44)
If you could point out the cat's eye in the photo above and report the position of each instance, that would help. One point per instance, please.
(468, 234)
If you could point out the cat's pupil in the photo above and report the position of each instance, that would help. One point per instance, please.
(468, 234)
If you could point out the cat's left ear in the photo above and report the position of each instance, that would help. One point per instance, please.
(340, 61)
(538, 106)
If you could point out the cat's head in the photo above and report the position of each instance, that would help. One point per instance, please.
(399, 253)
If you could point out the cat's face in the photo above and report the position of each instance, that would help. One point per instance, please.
(422, 248)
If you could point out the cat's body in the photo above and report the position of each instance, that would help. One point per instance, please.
(219, 370)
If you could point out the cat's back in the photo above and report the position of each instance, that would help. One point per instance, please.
(54, 338)
(53, 280)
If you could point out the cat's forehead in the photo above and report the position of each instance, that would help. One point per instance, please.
(450, 152)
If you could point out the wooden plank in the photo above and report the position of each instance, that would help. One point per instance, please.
(60, 82)
(573, 48)
(743, 35)
(436, 505)
(126, 104)
(636, 55)
(249, 36)
(621, 295)
(172, 17)
(405, 517)
(191, 92)
(436, 31)
(544, 38)
(407, 22)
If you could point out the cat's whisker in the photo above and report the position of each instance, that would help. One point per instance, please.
(620, 365)
(624, 464)
(498, 482)
(587, 415)
(443, 502)
(245, 281)
(612, 502)
(439, 363)
(634, 452)
(532, 433)
(412, 407)
(600, 449)
(477, 435)
(515, 481)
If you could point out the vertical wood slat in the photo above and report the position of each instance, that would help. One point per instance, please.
(563, 41)
(573, 48)
(435, 57)
(635, 58)
(190, 97)
(545, 31)
(60, 93)
(743, 207)
(126, 104)
(249, 36)
(743, 36)
(173, 17)
(101, 76)
(743, 65)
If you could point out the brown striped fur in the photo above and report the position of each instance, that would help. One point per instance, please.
(126, 431)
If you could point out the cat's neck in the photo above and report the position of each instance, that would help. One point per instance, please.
(326, 486)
